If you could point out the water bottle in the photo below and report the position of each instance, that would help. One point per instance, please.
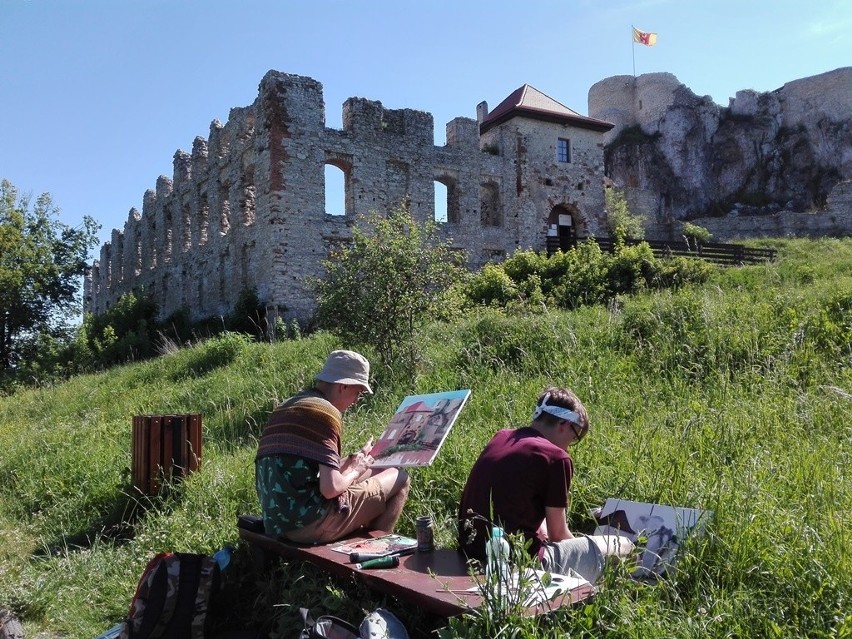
(223, 556)
(497, 559)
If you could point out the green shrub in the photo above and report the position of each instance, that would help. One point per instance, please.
(492, 286)
(389, 283)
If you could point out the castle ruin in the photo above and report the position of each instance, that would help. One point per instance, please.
(772, 164)
(246, 209)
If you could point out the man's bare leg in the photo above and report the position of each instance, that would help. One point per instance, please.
(395, 483)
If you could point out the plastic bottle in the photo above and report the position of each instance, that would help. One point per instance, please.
(223, 556)
(497, 558)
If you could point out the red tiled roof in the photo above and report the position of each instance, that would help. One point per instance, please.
(527, 101)
(417, 407)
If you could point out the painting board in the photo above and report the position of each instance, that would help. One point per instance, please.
(418, 429)
(384, 545)
(662, 528)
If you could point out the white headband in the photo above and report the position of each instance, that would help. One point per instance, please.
(556, 411)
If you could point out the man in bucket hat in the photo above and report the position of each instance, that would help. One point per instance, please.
(308, 492)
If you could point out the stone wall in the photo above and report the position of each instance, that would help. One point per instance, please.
(246, 208)
(834, 220)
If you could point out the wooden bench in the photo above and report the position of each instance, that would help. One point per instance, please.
(437, 582)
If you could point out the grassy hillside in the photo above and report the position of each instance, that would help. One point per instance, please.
(735, 397)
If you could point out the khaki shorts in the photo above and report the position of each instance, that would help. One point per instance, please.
(366, 502)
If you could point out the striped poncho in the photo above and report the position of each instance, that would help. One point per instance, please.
(306, 425)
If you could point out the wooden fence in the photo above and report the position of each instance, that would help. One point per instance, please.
(719, 253)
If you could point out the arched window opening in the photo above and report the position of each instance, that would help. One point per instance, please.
(203, 219)
(224, 208)
(335, 190)
(441, 197)
(248, 197)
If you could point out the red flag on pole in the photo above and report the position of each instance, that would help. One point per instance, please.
(644, 37)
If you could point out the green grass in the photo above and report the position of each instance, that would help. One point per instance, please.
(734, 396)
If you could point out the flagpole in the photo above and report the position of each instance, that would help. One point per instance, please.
(633, 48)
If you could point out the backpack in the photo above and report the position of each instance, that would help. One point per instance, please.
(172, 597)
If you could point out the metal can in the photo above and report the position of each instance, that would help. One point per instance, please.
(425, 534)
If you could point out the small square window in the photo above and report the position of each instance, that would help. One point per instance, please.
(563, 150)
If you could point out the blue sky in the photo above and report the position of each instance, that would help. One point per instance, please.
(97, 95)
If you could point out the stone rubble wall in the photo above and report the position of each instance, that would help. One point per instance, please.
(835, 220)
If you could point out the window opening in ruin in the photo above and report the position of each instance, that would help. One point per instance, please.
(441, 195)
(167, 235)
(335, 190)
(186, 229)
(452, 202)
(149, 239)
(490, 210)
(563, 150)
(137, 256)
(494, 255)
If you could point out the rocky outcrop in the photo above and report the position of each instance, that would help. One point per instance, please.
(764, 153)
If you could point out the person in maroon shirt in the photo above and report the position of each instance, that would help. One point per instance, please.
(521, 482)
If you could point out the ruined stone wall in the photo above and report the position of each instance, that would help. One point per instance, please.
(247, 207)
(835, 220)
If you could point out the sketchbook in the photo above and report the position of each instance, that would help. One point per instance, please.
(536, 587)
(418, 429)
(659, 531)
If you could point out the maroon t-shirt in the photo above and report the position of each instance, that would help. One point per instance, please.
(518, 474)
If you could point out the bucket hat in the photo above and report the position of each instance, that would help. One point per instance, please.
(346, 367)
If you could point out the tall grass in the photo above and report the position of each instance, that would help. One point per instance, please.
(733, 396)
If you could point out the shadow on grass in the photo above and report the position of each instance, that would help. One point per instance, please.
(116, 526)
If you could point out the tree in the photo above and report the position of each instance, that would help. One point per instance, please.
(387, 284)
(41, 261)
(621, 223)
(695, 235)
